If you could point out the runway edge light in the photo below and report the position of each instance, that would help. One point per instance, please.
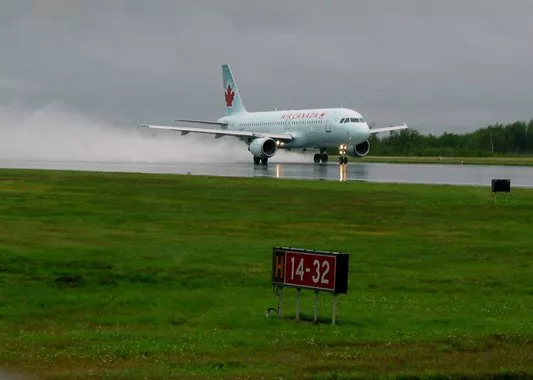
(320, 271)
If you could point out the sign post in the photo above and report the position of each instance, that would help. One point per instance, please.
(320, 271)
(334, 312)
(280, 303)
(298, 291)
(315, 318)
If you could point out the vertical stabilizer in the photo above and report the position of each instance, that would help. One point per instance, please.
(232, 97)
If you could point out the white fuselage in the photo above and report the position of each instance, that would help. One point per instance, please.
(265, 132)
(310, 128)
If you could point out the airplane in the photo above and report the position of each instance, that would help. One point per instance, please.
(266, 132)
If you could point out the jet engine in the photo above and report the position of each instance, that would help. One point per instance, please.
(264, 147)
(360, 149)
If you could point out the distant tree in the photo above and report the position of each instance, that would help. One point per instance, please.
(529, 137)
(513, 138)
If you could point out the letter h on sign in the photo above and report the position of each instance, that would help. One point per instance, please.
(278, 267)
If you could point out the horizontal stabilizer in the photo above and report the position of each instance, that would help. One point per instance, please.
(202, 122)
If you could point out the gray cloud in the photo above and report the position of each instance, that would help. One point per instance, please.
(439, 65)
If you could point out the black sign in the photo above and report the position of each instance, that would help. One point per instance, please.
(501, 185)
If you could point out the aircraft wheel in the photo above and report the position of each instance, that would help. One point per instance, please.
(341, 160)
(264, 161)
(345, 160)
(257, 160)
(316, 158)
(324, 158)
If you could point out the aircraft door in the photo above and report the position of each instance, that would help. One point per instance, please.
(329, 120)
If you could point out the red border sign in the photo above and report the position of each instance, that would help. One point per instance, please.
(318, 270)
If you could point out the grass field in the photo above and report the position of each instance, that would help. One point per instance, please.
(146, 276)
(512, 161)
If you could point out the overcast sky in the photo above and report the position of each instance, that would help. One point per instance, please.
(438, 65)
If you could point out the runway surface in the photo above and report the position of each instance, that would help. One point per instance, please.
(371, 172)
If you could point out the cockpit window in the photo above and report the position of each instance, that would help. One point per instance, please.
(352, 120)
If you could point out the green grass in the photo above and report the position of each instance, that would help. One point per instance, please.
(135, 276)
(511, 161)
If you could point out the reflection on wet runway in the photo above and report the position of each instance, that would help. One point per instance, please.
(358, 171)
(309, 171)
(343, 172)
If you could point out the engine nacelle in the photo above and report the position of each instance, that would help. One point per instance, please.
(360, 149)
(263, 148)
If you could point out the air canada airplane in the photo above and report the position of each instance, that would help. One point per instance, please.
(266, 132)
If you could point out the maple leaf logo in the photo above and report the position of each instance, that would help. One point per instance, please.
(229, 95)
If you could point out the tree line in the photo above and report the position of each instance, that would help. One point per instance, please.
(495, 140)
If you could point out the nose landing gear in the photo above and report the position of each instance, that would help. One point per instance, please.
(343, 159)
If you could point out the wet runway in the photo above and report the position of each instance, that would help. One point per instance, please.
(371, 172)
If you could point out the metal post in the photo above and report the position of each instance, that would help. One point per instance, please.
(334, 314)
(316, 306)
(298, 303)
(280, 303)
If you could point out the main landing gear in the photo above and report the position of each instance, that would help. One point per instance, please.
(321, 157)
(258, 160)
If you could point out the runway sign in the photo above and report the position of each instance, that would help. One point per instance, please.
(316, 270)
(501, 185)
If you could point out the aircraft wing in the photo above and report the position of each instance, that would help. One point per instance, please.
(388, 129)
(221, 132)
